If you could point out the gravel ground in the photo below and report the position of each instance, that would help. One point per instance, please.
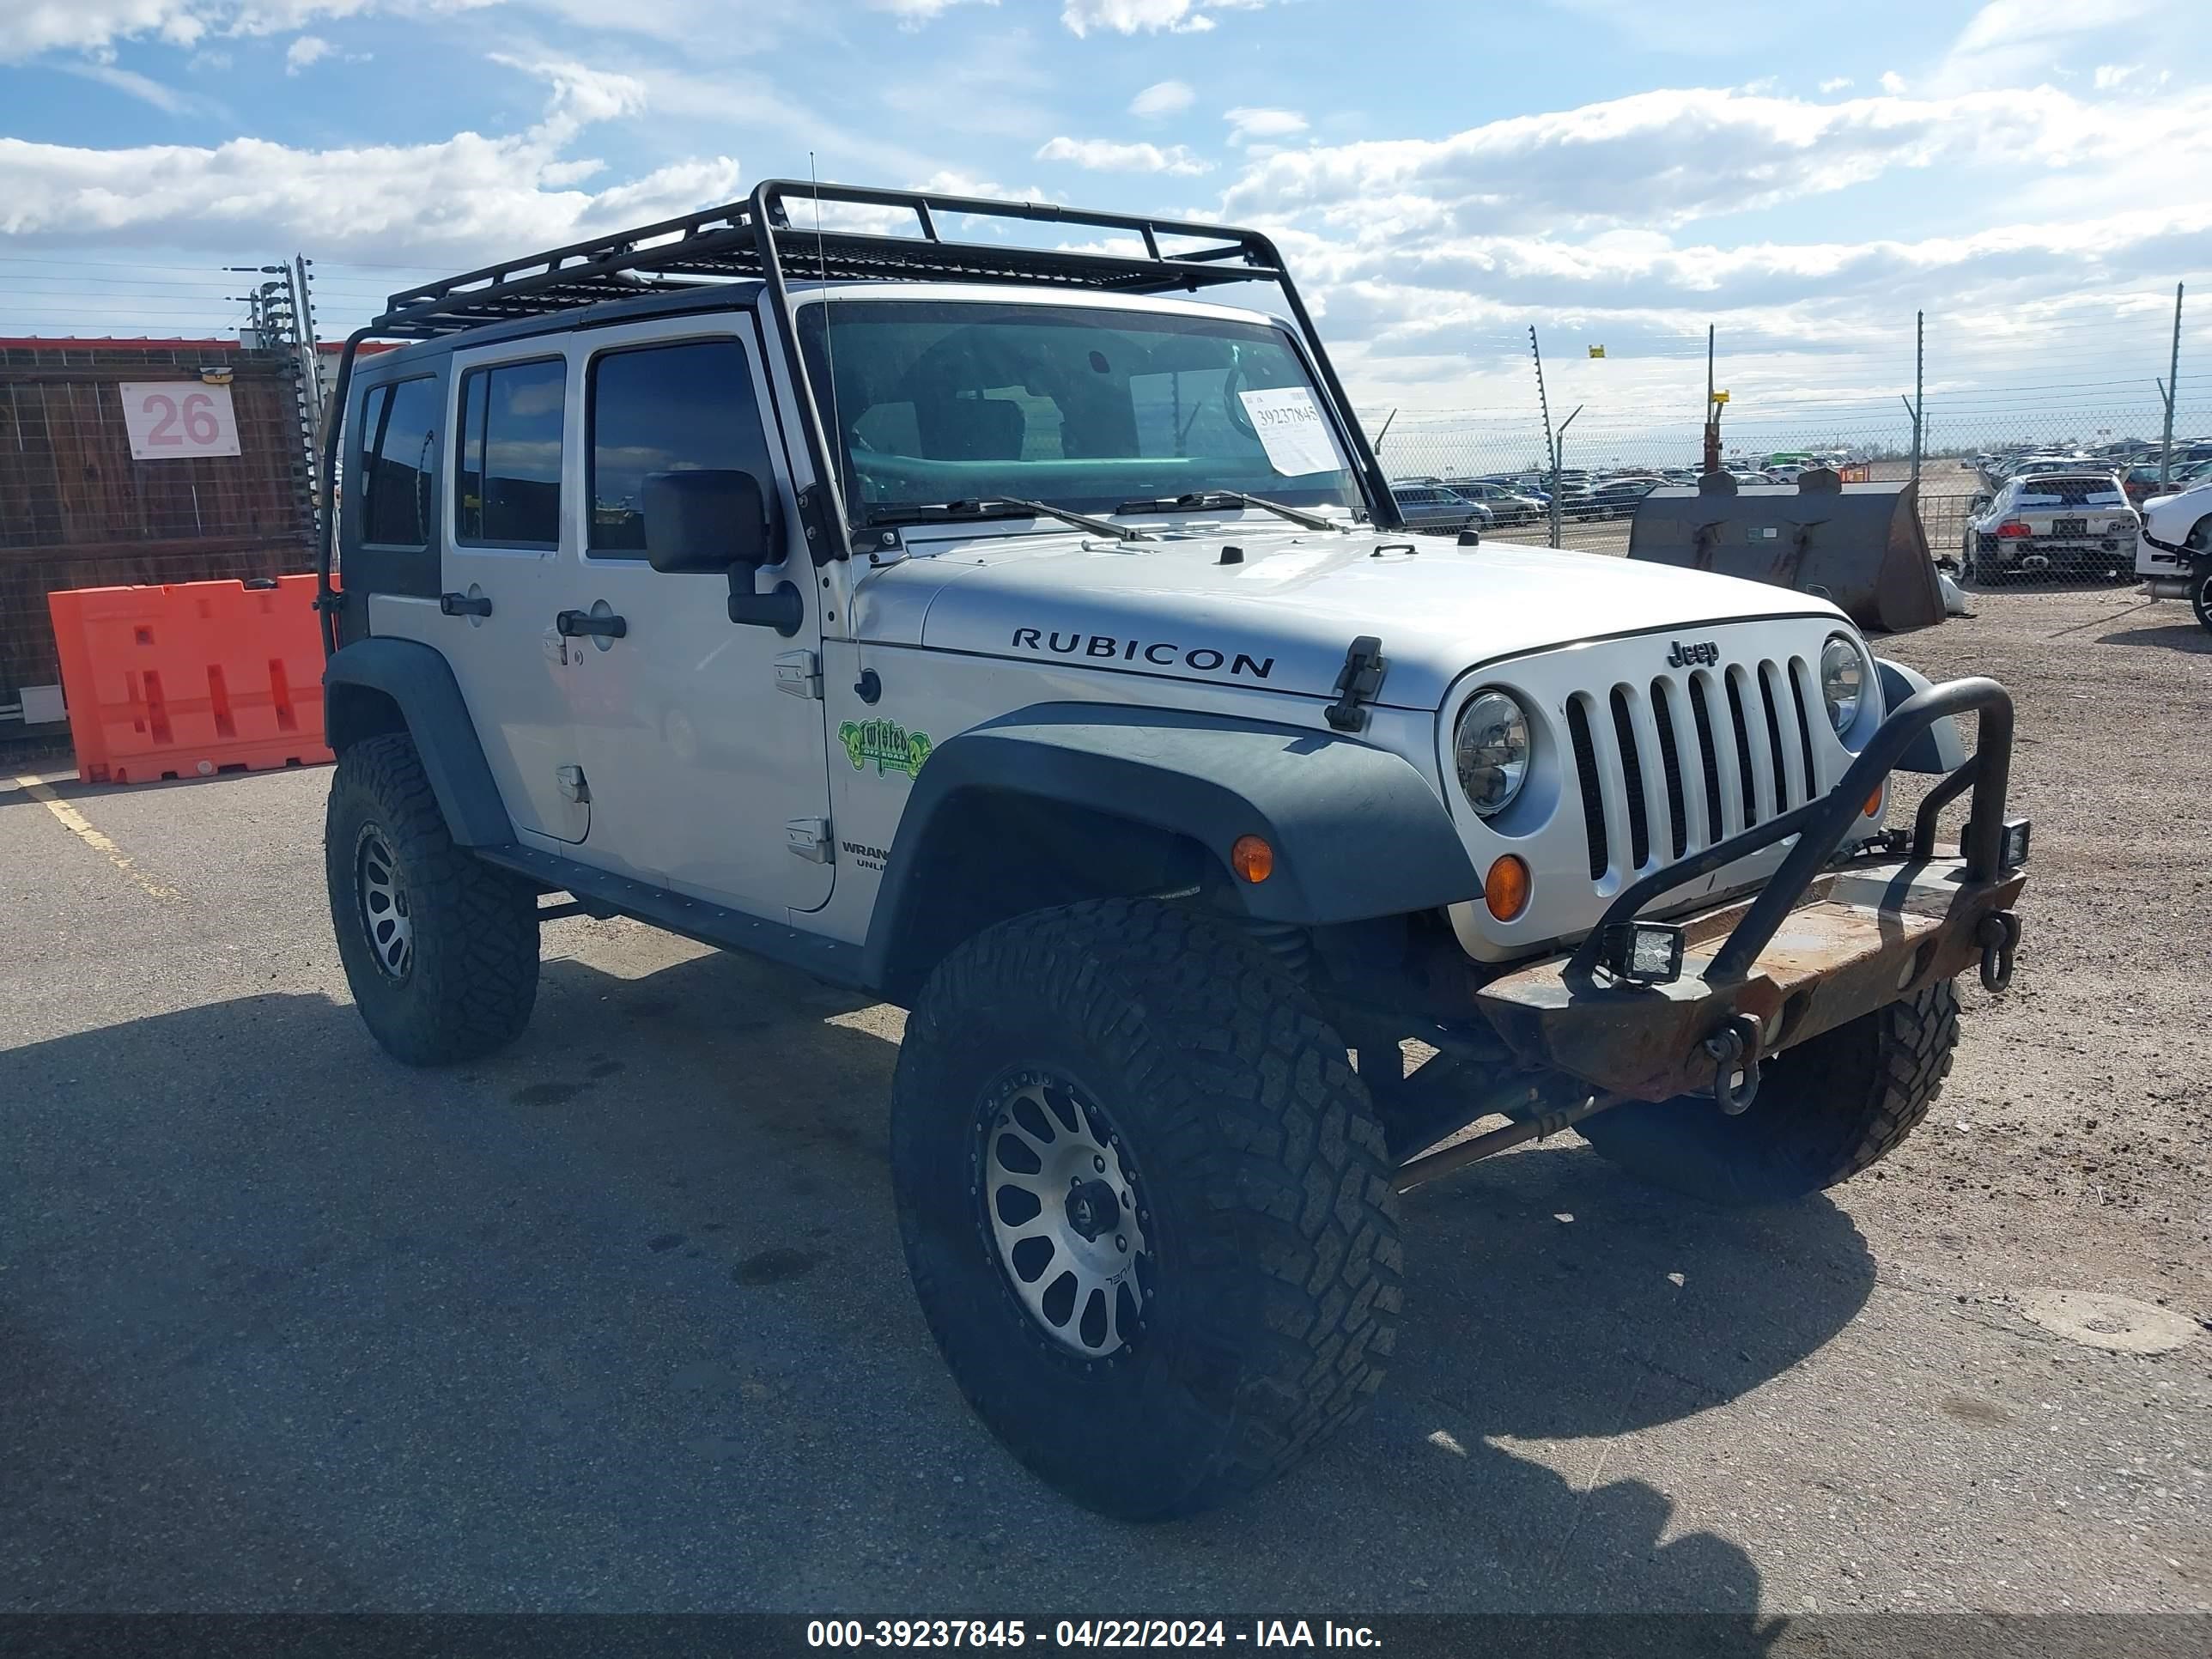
(617, 1321)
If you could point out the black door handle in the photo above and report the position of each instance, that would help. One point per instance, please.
(572, 624)
(461, 604)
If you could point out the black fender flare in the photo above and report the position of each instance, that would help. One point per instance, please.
(1358, 833)
(363, 681)
(1939, 749)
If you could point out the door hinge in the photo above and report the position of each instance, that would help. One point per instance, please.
(799, 674)
(573, 785)
(809, 838)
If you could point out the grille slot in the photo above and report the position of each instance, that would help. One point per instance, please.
(1585, 748)
(1632, 767)
(1678, 818)
(1673, 728)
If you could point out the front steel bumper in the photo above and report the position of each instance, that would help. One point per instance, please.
(1821, 943)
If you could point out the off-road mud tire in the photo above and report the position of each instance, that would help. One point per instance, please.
(1827, 1110)
(1260, 1176)
(473, 975)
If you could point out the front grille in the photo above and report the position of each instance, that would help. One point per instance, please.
(1668, 768)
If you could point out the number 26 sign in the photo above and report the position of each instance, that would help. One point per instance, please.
(169, 419)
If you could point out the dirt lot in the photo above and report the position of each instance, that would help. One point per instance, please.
(617, 1320)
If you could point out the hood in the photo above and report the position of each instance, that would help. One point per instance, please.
(1282, 616)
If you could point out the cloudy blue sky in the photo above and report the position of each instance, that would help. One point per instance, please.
(2035, 174)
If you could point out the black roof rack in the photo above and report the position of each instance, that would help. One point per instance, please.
(746, 240)
(756, 240)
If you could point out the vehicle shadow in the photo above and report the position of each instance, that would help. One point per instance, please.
(2173, 636)
(618, 1320)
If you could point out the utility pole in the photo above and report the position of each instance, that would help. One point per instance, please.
(1919, 404)
(2170, 391)
(1712, 412)
(1551, 445)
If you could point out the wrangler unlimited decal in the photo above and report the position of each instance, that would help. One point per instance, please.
(1160, 653)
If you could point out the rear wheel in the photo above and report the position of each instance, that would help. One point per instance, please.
(1147, 1211)
(1827, 1108)
(440, 948)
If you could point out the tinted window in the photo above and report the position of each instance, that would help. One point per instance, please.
(667, 409)
(507, 487)
(399, 451)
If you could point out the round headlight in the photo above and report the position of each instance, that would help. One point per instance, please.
(1491, 750)
(1842, 681)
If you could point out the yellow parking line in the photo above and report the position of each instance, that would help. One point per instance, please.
(75, 822)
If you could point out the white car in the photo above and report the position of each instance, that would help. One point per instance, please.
(999, 632)
(2065, 523)
(2173, 550)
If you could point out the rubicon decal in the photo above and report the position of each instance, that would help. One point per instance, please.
(890, 746)
(1158, 653)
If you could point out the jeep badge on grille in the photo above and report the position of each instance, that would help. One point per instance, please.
(1692, 654)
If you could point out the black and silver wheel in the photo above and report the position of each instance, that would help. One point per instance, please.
(1066, 1216)
(2200, 594)
(440, 948)
(1147, 1208)
(1832, 1106)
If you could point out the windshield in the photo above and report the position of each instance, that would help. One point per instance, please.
(928, 401)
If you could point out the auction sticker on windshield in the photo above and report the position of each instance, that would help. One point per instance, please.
(1291, 431)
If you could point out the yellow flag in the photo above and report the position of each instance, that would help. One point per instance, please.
(1720, 396)
(1597, 351)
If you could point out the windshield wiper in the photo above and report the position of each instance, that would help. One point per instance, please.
(1007, 507)
(1204, 498)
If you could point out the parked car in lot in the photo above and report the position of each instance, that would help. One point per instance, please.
(1440, 508)
(1616, 498)
(2066, 523)
(1505, 506)
(2174, 547)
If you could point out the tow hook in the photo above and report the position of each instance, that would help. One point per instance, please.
(1997, 934)
(1735, 1051)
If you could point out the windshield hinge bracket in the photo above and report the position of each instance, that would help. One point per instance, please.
(1357, 682)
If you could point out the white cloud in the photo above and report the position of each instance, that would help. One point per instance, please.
(1249, 126)
(1147, 17)
(2110, 75)
(30, 27)
(912, 14)
(1162, 98)
(1836, 83)
(143, 88)
(1892, 83)
(460, 198)
(307, 50)
(1104, 155)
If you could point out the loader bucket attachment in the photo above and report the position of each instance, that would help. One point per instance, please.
(1860, 545)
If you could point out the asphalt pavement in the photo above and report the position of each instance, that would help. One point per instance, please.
(617, 1321)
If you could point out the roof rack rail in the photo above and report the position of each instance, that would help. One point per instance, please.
(755, 238)
(744, 240)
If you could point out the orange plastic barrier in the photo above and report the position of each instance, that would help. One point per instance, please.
(191, 679)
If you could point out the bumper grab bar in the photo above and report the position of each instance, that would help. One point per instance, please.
(1820, 825)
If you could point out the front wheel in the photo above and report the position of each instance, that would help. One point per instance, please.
(1832, 1106)
(440, 948)
(1145, 1205)
(2200, 595)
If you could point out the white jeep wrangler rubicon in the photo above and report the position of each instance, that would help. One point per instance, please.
(971, 623)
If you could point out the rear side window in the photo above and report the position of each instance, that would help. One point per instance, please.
(666, 409)
(399, 455)
(507, 487)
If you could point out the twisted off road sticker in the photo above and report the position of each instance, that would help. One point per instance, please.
(890, 746)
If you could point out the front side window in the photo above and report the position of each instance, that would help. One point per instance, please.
(929, 402)
(507, 487)
(666, 409)
(399, 455)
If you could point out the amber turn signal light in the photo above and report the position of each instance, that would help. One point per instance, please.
(1505, 890)
(1873, 801)
(1252, 859)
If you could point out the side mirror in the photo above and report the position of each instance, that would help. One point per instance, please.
(709, 520)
